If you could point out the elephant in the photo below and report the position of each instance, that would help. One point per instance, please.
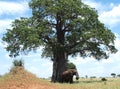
(67, 76)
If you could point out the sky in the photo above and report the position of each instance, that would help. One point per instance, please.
(109, 14)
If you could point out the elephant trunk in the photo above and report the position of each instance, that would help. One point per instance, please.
(77, 76)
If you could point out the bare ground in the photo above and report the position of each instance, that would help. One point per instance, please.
(19, 78)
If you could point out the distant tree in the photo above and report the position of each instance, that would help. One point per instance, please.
(118, 75)
(93, 77)
(113, 75)
(86, 76)
(63, 28)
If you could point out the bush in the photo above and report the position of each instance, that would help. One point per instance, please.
(71, 65)
(18, 63)
(104, 79)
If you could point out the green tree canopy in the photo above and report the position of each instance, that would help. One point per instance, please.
(63, 28)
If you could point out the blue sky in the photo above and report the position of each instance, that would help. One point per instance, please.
(109, 14)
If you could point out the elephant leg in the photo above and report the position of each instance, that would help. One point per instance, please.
(71, 79)
(65, 79)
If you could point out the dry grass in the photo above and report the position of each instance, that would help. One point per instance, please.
(18, 78)
(92, 84)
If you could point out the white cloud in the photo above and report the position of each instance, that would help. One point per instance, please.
(41, 72)
(111, 17)
(13, 7)
(97, 5)
(108, 61)
(117, 42)
(10, 11)
(79, 60)
(115, 69)
(4, 24)
(109, 14)
(92, 3)
(42, 68)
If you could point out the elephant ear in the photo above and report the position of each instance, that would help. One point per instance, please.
(65, 72)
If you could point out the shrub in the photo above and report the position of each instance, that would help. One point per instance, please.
(71, 65)
(104, 79)
(18, 63)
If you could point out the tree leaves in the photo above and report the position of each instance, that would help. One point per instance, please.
(61, 24)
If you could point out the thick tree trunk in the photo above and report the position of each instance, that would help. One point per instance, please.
(59, 65)
(59, 53)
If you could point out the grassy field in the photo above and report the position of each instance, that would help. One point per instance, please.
(18, 78)
(92, 84)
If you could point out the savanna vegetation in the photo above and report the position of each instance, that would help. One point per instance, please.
(19, 78)
(63, 28)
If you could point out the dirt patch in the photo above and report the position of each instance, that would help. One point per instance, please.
(19, 78)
